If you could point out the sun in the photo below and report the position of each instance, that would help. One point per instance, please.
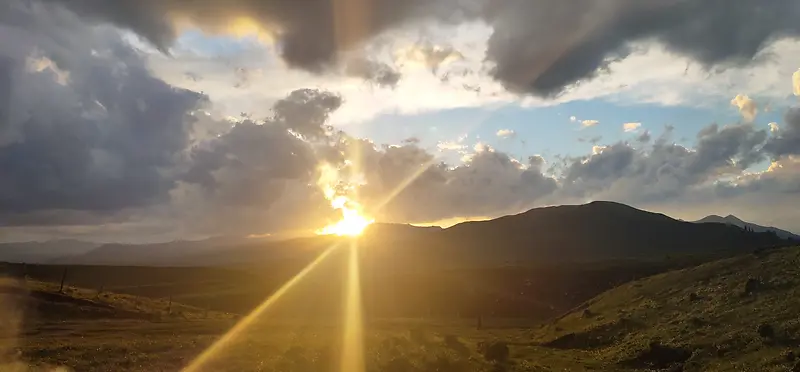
(338, 189)
(351, 224)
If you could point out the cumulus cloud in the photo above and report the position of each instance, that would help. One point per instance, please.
(506, 133)
(747, 107)
(84, 126)
(631, 127)
(644, 137)
(589, 123)
(639, 175)
(489, 183)
(787, 140)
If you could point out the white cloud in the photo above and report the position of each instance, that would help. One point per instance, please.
(450, 146)
(747, 107)
(589, 123)
(631, 127)
(796, 82)
(773, 127)
(573, 119)
(506, 133)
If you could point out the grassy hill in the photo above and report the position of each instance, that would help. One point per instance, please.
(737, 314)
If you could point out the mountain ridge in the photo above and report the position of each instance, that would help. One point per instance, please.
(598, 230)
(736, 221)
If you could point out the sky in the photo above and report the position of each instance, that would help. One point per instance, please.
(144, 121)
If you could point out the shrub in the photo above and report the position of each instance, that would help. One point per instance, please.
(766, 331)
(495, 351)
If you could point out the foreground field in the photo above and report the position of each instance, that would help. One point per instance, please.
(738, 314)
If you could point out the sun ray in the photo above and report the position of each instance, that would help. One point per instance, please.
(352, 358)
(227, 338)
(422, 169)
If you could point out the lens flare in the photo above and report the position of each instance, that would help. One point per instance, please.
(353, 334)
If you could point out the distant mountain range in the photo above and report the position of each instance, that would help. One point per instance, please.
(569, 233)
(43, 252)
(735, 221)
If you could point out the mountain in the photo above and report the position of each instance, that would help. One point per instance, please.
(160, 254)
(735, 221)
(43, 252)
(568, 233)
(594, 231)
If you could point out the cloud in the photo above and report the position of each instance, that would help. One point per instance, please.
(747, 107)
(90, 139)
(665, 170)
(506, 133)
(377, 72)
(774, 127)
(536, 47)
(450, 146)
(631, 127)
(787, 140)
(310, 35)
(490, 183)
(589, 123)
(84, 126)
(542, 47)
(644, 137)
(429, 55)
(573, 119)
(796, 83)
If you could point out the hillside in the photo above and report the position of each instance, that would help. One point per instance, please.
(735, 221)
(46, 301)
(737, 314)
(589, 232)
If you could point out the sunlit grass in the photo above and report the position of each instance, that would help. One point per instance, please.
(211, 352)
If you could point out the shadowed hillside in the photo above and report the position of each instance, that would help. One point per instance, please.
(595, 231)
(737, 314)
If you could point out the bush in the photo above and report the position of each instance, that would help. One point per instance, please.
(495, 351)
(766, 331)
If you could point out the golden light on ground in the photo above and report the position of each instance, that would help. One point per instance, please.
(207, 355)
(352, 358)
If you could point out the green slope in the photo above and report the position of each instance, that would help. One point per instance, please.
(706, 318)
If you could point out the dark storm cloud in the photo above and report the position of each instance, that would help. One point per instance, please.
(84, 125)
(310, 32)
(537, 47)
(543, 46)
